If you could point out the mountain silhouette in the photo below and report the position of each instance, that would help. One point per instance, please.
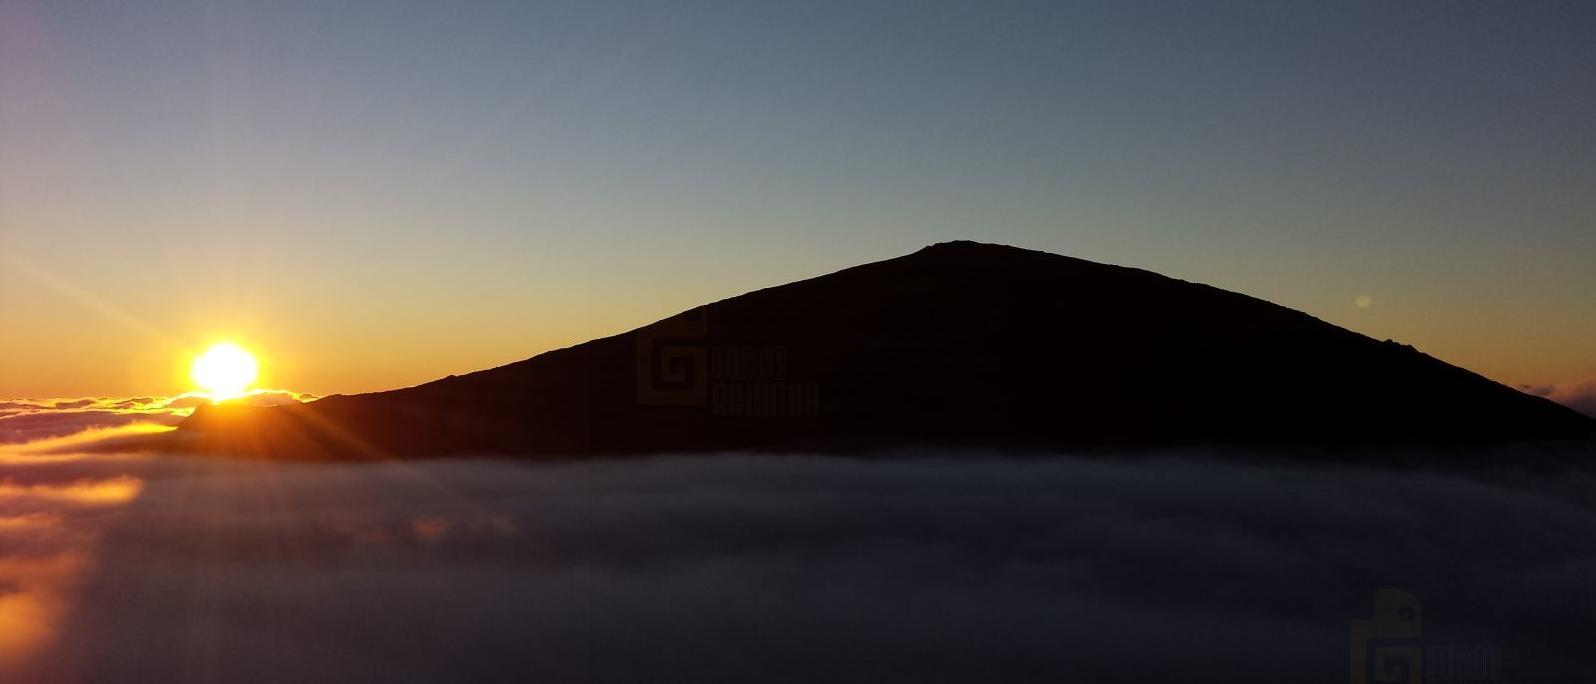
(960, 343)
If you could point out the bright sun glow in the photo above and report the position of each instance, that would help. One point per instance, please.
(224, 371)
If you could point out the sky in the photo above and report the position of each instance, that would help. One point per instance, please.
(375, 194)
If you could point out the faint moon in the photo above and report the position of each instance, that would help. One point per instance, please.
(1363, 301)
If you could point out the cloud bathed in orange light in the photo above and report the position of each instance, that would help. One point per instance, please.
(1580, 396)
(33, 421)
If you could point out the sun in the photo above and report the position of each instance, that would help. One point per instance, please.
(224, 371)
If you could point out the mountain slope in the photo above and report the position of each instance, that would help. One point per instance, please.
(959, 343)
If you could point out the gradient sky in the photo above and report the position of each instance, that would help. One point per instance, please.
(375, 194)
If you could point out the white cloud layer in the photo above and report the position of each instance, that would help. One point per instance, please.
(966, 567)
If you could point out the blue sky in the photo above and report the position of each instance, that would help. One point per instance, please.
(377, 193)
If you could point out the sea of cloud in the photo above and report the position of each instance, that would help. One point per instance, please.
(919, 566)
(31, 420)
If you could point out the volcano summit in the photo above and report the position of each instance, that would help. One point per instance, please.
(960, 343)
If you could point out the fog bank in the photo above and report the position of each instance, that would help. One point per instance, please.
(933, 567)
